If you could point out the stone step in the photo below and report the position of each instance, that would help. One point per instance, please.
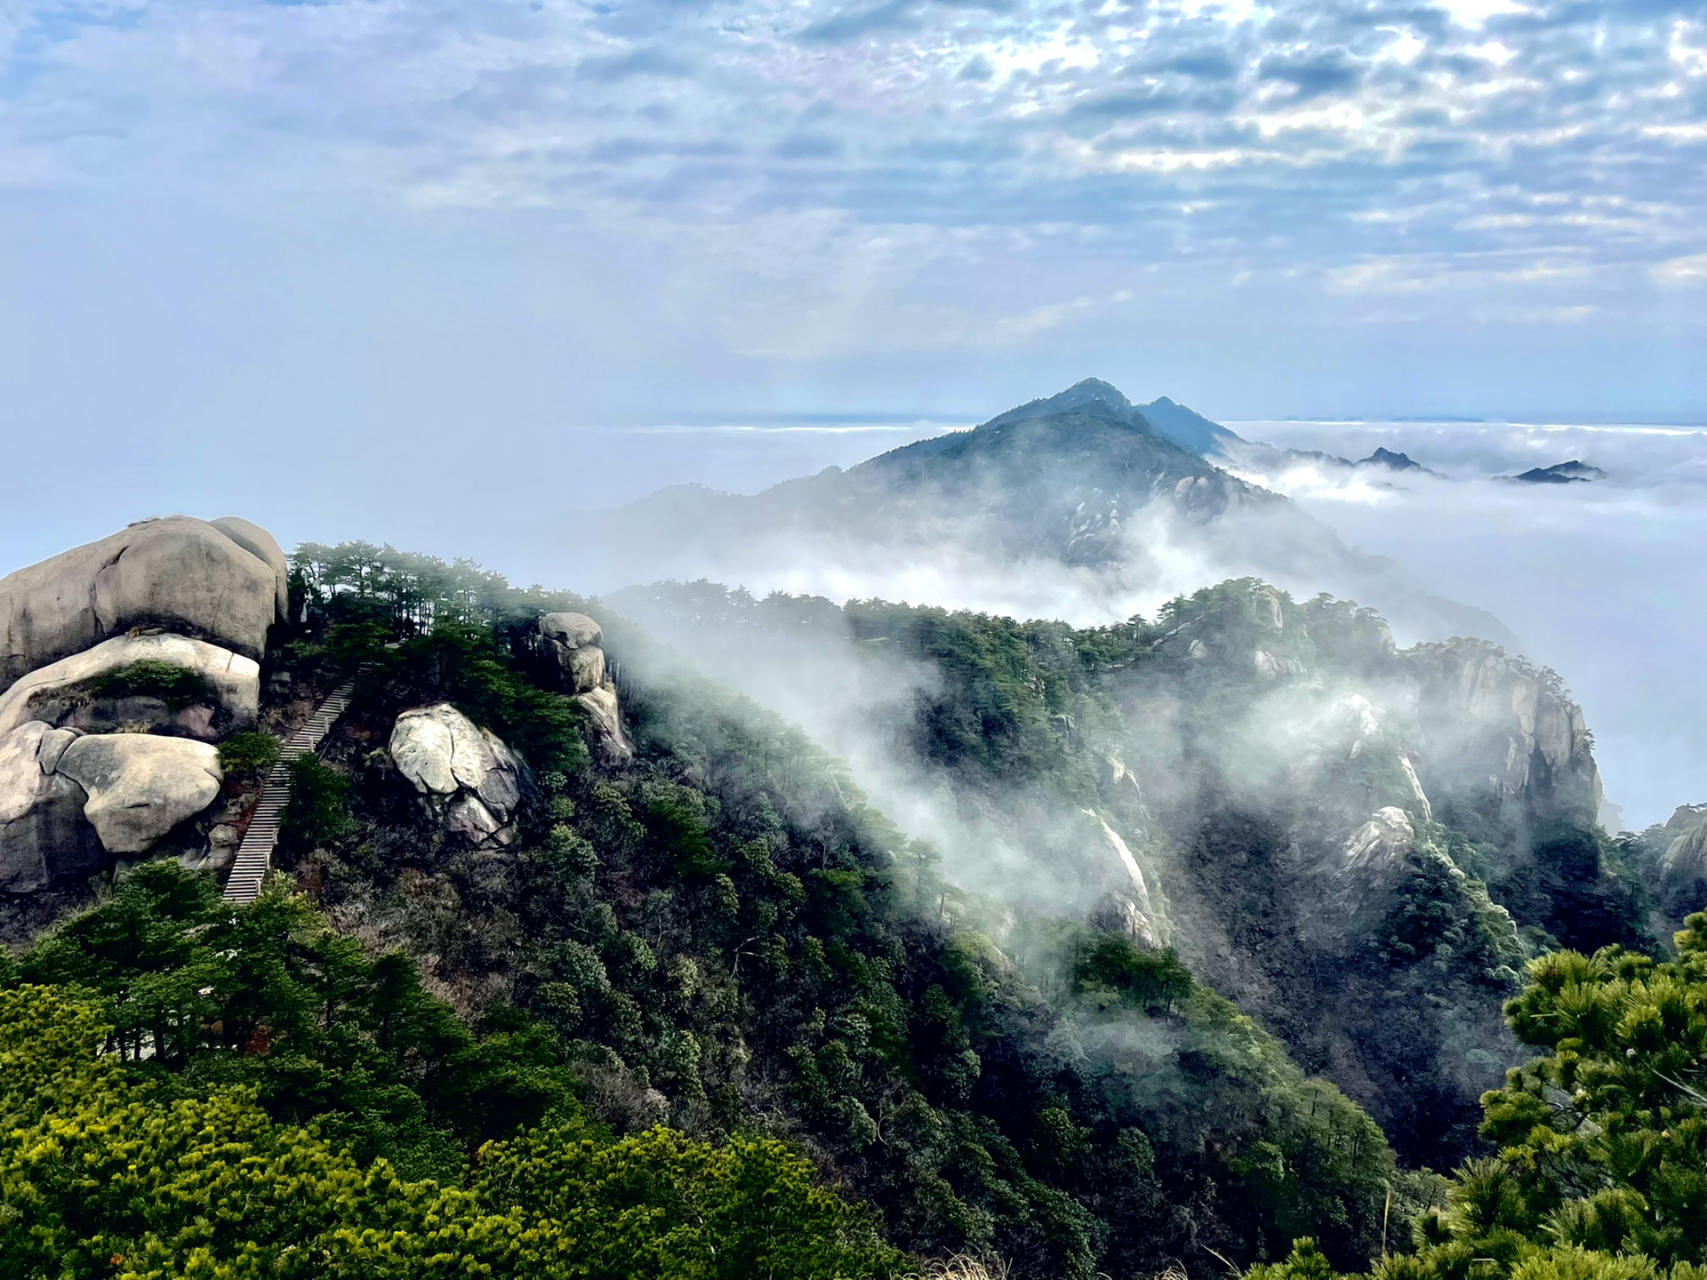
(255, 853)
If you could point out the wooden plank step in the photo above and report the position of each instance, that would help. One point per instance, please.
(255, 853)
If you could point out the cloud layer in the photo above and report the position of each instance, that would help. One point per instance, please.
(839, 179)
(1603, 581)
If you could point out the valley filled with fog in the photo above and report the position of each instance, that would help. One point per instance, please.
(1604, 580)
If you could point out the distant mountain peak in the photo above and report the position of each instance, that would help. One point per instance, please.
(1086, 393)
(1393, 461)
(1571, 472)
(1162, 417)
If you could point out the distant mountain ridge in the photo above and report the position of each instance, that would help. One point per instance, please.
(1185, 427)
(1084, 481)
(1572, 472)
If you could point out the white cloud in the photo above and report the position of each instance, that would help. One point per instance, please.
(1690, 270)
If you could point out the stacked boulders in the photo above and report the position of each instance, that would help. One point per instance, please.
(121, 664)
(467, 779)
(576, 641)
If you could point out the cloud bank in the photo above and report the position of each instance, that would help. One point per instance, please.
(1604, 581)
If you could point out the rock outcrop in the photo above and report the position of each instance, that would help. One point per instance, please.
(466, 776)
(605, 716)
(1486, 720)
(262, 545)
(45, 841)
(1684, 862)
(576, 641)
(69, 691)
(1377, 849)
(1125, 905)
(69, 800)
(140, 786)
(223, 582)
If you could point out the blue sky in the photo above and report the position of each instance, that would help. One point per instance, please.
(454, 275)
(431, 221)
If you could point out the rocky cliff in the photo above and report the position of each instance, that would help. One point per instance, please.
(124, 663)
(1362, 843)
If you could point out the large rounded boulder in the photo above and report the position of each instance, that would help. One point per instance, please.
(45, 841)
(466, 776)
(185, 687)
(224, 582)
(140, 786)
(577, 641)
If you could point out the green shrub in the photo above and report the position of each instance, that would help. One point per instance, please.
(106, 1176)
(176, 686)
(246, 754)
(318, 814)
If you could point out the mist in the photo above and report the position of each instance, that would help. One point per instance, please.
(1604, 581)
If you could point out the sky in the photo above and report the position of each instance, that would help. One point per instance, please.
(311, 226)
(450, 275)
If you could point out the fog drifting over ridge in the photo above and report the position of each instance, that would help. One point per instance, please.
(1605, 581)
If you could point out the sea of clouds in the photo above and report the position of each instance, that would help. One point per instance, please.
(1605, 581)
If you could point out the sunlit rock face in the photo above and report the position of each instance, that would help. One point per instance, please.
(576, 641)
(122, 664)
(467, 777)
(1684, 863)
(1489, 722)
(191, 577)
(141, 785)
(45, 841)
(72, 690)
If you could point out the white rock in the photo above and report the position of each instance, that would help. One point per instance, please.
(441, 751)
(469, 817)
(501, 788)
(233, 680)
(586, 668)
(1135, 888)
(183, 575)
(571, 630)
(467, 775)
(1380, 844)
(421, 749)
(260, 544)
(574, 639)
(602, 710)
(1685, 858)
(19, 770)
(141, 786)
(1272, 667)
(1357, 715)
(44, 839)
(1417, 792)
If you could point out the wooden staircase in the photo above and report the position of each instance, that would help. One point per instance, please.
(255, 854)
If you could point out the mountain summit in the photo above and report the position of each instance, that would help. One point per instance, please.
(1186, 428)
(1080, 503)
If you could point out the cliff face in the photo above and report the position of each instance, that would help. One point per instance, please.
(1362, 844)
(1493, 725)
(122, 664)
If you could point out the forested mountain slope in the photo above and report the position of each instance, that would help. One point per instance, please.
(648, 901)
(1361, 844)
(552, 888)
